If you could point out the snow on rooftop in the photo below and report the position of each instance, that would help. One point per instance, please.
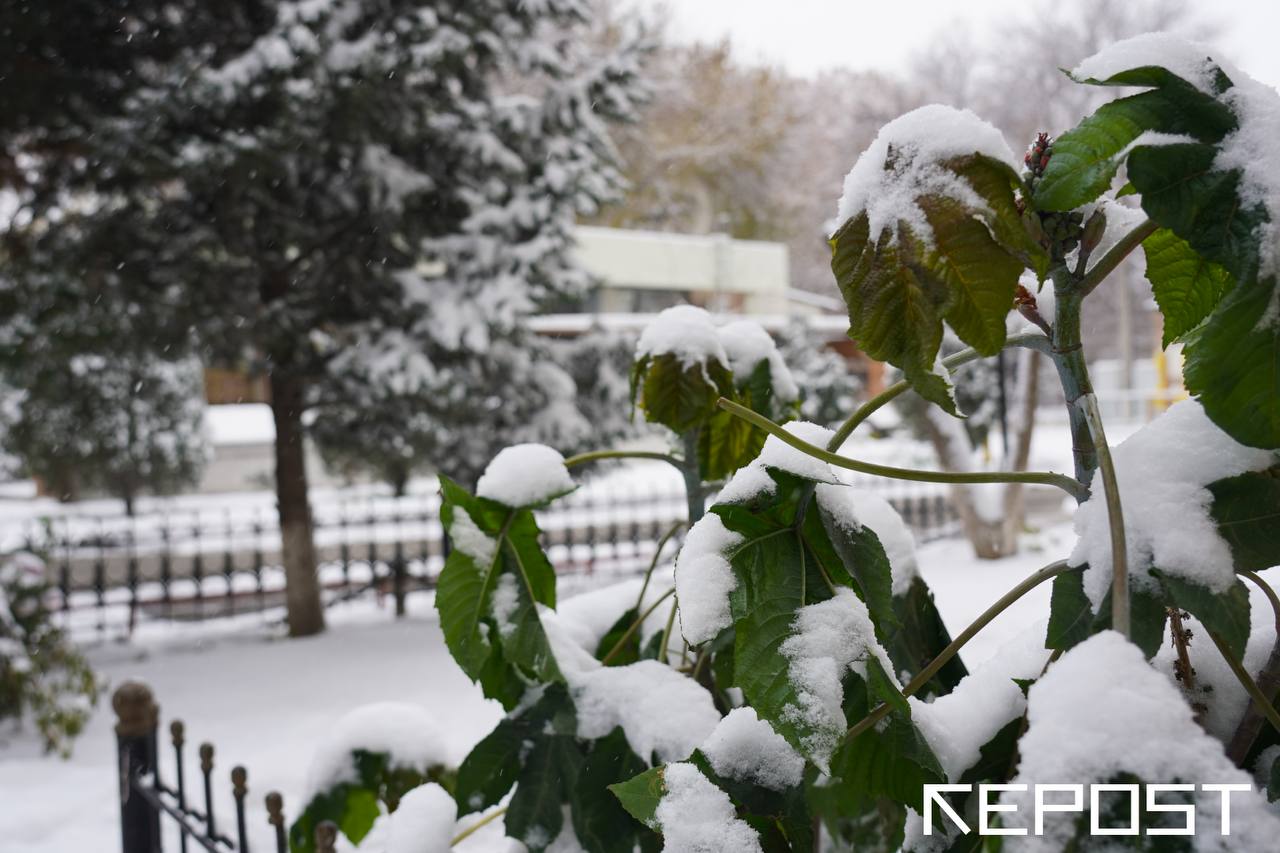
(1165, 502)
(746, 748)
(1189, 60)
(704, 579)
(697, 817)
(406, 733)
(685, 331)
(525, 475)
(902, 164)
(747, 344)
(239, 423)
(1102, 711)
(829, 639)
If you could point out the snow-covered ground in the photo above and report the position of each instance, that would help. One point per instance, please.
(266, 702)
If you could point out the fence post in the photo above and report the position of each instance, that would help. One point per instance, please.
(137, 716)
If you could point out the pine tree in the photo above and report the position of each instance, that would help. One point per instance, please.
(345, 173)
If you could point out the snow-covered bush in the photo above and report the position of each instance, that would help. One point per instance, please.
(42, 677)
(800, 690)
(370, 767)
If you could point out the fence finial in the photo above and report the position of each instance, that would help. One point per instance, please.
(136, 711)
(326, 836)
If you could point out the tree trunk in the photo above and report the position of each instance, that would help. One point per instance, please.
(991, 537)
(303, 607)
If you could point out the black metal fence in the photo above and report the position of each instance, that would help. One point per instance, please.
(114, 573)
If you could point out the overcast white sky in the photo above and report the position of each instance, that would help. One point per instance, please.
(809, 35)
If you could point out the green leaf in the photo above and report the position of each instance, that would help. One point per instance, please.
(1085, 159)
(641, 794)
(490, 769)
(600, 822)
(1226, 614)
(893, 761)
(1070, 612)
(630, 652)
(900, 286)
(726, 443)
(547, 779)
(922, 635)
(996, 758)
(354, 808)
(1183, 191)
(1233, 364)
(487, 651)
(856, 558)
(677, 396)
(1247, 511)
(1185, 285)
(1148, 612)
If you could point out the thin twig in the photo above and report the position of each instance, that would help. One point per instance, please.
(1117, 253)
(1115, 517)
(622, 641)
(1061, 481)
(1251, 687)
(1030, 340)
(653, 564)
(922, 678)
(484, 821)
(597, 455)
(1250, 725)
(666, 634)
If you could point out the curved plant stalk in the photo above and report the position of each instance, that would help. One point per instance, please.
(694, 493)
(1260, 699)
(666, 634)
(1030, 340)
(1115, 517)
(484, 821)
(635, 626)
(1250, 725)
(653, 564)
(922, 678)
(1061, 481)
(596, 455)
(1117, 253)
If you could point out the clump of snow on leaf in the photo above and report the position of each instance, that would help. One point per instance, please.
(704, 579)
(1101, 711)
(1166, 505)
(1187, 59)
(753, 480)
(746, 748)
(902, 164)
(503, 605)
(695, 816)
(407, 734)
(1251, 148)
(748, 345)
(468, 538)
(423, 822)
(685, 331)
(525, 475)
(854, 508)
(661, 711)
(829, 639)
(958, 724)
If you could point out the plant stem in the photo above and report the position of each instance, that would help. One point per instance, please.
(1115, 517)
(1260, 699)
(635, 626)
(597, 455)
(1073, 374)
(484, 821)
(693, 492)
(1061, 481)
(1117, 253)
(1250, 725)
(923, 677)
(653, 564)
(666, 635)
(1031, 340)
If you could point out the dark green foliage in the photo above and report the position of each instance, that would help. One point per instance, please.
(355, 805)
